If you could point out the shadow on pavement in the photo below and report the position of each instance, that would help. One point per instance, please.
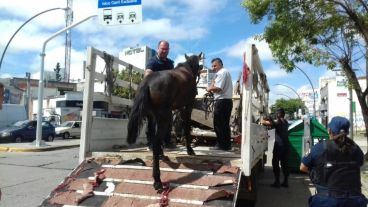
(297, 194)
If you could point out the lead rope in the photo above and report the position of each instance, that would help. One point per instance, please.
(164, 201)
(110, 77)
(208, 102)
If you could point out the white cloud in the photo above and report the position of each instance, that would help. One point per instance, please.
(6, 75)
(29, 38)
(328, 73)
(151, 28)
(191, 12)
(157, 4)
(275, 72)
(239, 48)
(26, 10)
(179, 59)
(304, 88)
(53, 57)
(284, 91)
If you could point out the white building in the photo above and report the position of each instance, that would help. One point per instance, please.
(334, 100)
(137, 56)
(307, 97)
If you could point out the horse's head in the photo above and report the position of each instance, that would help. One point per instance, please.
(195, 62)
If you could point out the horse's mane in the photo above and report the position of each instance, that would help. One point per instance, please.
(181, 65)
(192, 62)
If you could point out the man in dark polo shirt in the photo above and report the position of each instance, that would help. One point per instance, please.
(159, 62)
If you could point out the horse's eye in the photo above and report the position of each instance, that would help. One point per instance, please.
(201, 67)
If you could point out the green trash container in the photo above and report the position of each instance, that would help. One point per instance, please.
(318, 131)
(300, 142)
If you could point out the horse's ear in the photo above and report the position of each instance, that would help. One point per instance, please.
(201, 56)
(186, 56)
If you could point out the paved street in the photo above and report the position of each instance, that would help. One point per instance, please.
(26, 178)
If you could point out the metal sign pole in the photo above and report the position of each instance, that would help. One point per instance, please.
(40, 82)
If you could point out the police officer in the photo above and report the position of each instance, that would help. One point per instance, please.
(280, 148)
(334, 168)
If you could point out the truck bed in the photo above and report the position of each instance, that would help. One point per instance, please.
(208, 179)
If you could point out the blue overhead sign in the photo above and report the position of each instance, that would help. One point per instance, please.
(118, 12)
(115, 3)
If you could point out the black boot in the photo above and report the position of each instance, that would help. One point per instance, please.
(276, 184)
(285, 183)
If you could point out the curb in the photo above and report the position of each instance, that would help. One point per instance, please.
(18, 149)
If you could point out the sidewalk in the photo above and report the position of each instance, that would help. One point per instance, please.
(58, 143)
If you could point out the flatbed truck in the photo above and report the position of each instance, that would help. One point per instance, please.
(113, 173)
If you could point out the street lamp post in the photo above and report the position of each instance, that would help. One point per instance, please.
(40, 83)
(314, 93)
(7, 45)
(289, 88)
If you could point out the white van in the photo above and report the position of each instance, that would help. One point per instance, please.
(12, 113)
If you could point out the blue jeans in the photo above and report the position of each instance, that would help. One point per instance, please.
(324, 201)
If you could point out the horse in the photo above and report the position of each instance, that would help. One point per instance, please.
(158, 94)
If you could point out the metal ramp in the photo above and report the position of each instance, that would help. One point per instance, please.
(118, 180)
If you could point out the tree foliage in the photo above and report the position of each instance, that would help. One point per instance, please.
(127, 75)
(57, 72)
(333, 33)
(289, 105)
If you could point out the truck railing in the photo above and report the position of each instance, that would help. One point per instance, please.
(98, 134)
(254, 106)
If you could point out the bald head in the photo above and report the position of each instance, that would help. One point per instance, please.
(163, 49)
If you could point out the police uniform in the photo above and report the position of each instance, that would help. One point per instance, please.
(336, 175)
(281, 151)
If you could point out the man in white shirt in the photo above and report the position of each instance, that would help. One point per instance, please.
(222, 89)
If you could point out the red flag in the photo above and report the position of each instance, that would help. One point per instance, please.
(245, 69)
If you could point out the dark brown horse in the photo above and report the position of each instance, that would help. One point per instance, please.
(160, 93)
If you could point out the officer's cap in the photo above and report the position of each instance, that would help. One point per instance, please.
(338, 124)
(281, 111)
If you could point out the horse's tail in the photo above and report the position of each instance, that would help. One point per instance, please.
(138, 112)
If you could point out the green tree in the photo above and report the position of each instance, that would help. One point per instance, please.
(57, 71)
(127, 75)
(289, 105)
(333, 33)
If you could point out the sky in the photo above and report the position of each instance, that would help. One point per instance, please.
(218, 28)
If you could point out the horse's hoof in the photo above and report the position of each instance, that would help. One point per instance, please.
(190, 151)
(164, 158)
(158, 186)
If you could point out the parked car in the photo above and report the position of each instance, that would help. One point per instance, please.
(26, 131)
(69, 129)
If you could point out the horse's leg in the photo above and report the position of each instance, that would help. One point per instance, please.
(187, 112)
(156, 145)
(151, 129)
(163, 121)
